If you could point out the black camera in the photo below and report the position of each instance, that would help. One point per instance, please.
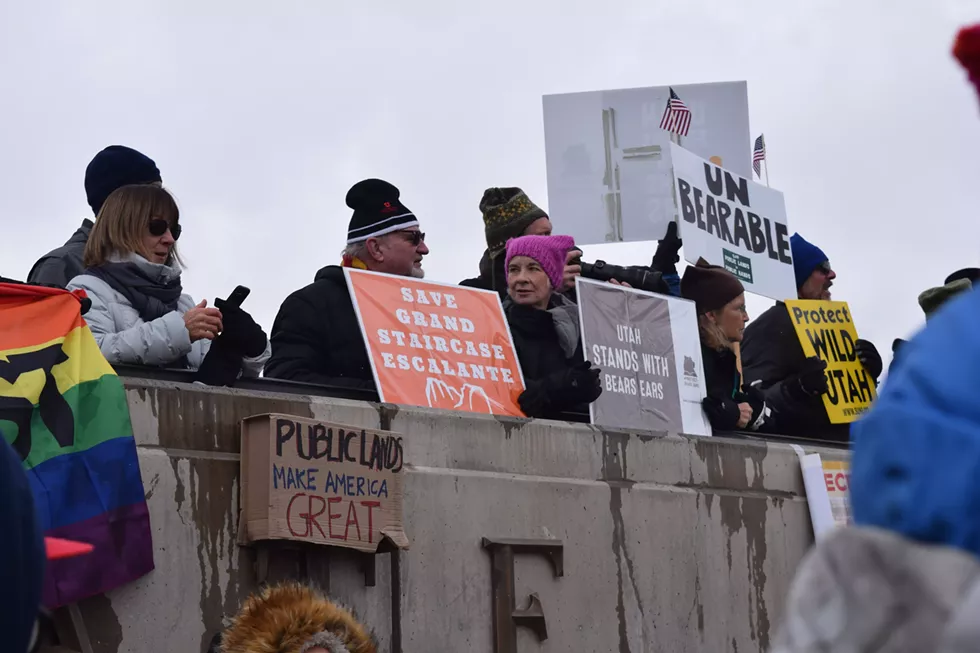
(637, 277)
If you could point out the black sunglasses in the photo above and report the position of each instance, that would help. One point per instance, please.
(414, 237)
(159, 226)
(824, 267)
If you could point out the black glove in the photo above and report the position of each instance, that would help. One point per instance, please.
(761, 413)
(812, 377)
(240, 330)
(581, 383)
(222, 364)
(665, 258)
(723, 413)
(868, 354)
(563, 389)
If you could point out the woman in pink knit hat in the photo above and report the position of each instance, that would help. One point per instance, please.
(546, 329)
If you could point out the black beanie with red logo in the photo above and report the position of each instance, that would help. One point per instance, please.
(377, 211)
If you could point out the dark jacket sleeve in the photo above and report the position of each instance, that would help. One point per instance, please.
(772, 355)
(301, 346)
(50, 271)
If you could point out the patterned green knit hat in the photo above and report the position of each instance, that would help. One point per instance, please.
(507, 213)
(931, 300)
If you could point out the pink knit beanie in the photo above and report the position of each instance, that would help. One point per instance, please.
(548, 251)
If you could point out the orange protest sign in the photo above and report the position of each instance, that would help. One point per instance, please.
(437, 345)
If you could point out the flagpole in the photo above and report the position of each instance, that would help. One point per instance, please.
(766, 161)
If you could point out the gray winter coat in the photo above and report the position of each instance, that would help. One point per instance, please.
(865, 590)
(125, 338)
(61, 265)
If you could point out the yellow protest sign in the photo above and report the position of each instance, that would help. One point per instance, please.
(826, 330)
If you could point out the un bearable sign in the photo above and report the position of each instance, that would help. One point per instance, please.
(648, 349)
(734, 222)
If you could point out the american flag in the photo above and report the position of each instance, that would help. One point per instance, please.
(759, 155)
(677, 117)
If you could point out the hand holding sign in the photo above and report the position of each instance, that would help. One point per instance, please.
(838, 370)
(813, 377)
(868, 354)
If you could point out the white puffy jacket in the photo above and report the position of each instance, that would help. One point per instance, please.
(125, 338)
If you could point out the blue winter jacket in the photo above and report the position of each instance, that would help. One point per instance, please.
(916, 454)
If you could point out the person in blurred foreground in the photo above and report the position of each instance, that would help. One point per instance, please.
(316, 337)
(24, 627)
(719, 299)
(294, 618)
(114, 167)
(139, 314)
(773, 358)
(906, 578)
(546, 329)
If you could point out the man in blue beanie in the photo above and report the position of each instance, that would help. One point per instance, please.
(773, 357)
(112, 168)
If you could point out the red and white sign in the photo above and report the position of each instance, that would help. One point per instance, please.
(437, 345)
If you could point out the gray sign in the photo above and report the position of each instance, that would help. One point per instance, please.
(628, 335)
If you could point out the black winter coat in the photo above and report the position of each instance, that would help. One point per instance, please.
(724, 384)
(541, 354)
(493, 276)
(61, 265)
(316, 337)
(772, 354)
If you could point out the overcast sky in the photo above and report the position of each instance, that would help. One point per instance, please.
(262, 115)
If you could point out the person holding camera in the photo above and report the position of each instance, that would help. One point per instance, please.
(509, 213)
(139, 314)
(546, 329)
(719, 299)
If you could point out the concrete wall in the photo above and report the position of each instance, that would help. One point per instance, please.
(671, 543)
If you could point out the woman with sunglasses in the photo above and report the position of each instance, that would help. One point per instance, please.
(139, 315)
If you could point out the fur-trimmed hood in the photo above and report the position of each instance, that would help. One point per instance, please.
(292, 618)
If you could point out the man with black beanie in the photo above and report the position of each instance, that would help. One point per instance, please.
(112, 168)
(316, 337)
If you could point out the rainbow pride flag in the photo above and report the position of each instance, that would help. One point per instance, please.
(64, 411)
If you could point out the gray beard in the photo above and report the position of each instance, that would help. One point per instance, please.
(418, 273)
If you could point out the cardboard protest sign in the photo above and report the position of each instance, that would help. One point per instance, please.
(609, 161)
(827, 485)
(437, 345)
(649, 351)
(734, 222)
(324, 483)
(826, 329)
